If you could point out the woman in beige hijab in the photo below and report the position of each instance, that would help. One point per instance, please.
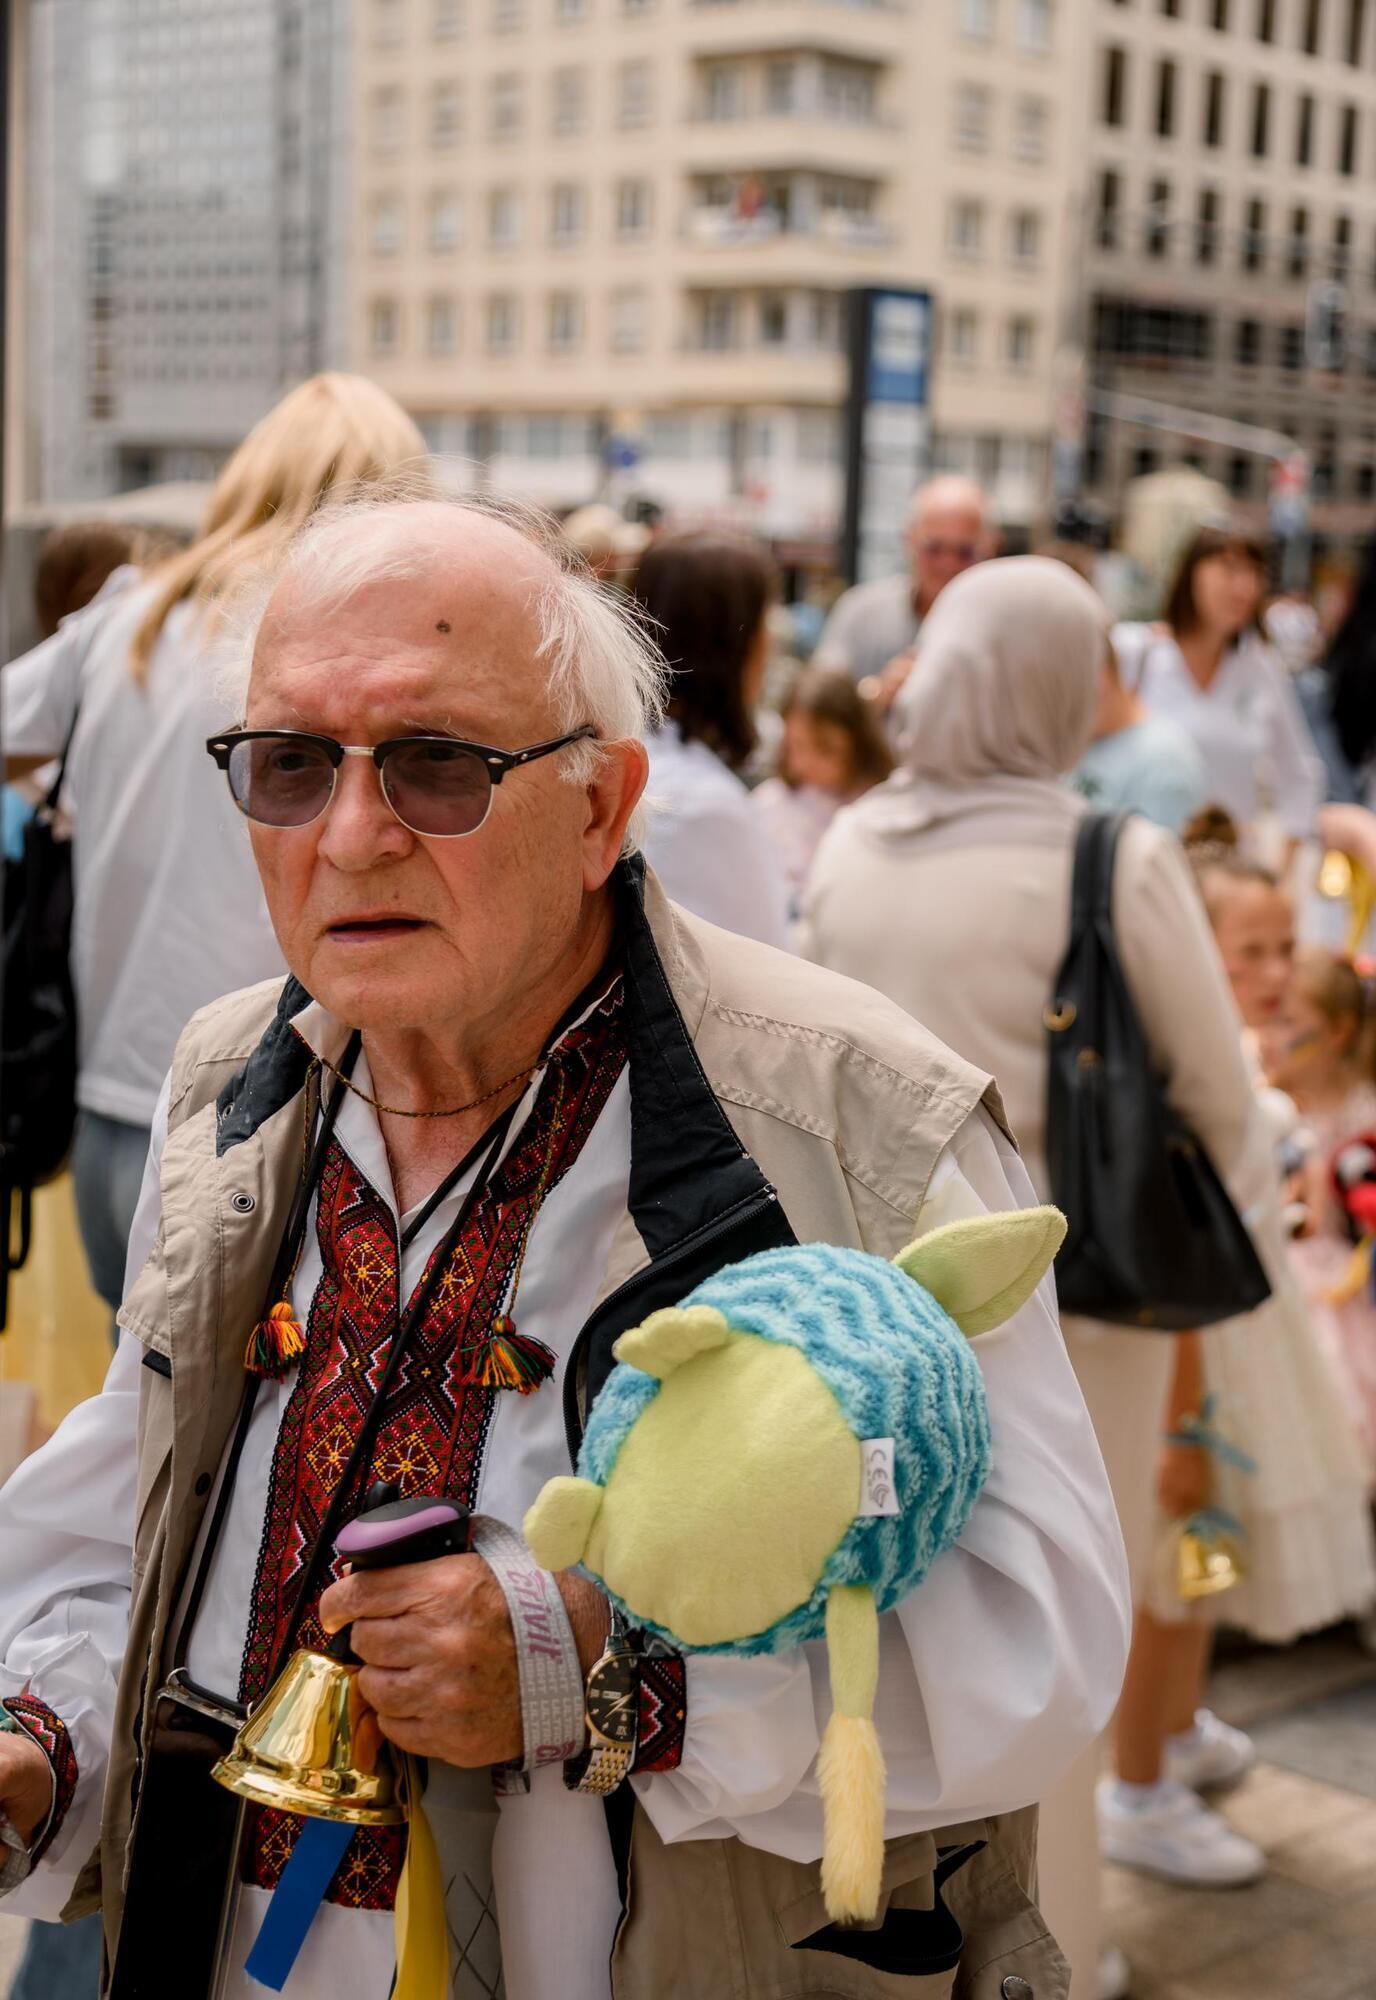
(948, 888)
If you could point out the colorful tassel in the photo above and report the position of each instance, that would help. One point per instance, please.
(511, 1360)
(275, 1343)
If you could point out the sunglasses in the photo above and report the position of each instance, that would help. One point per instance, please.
(936, 551)
(438, 786)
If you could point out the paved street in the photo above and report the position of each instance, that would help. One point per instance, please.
(1308, 1932)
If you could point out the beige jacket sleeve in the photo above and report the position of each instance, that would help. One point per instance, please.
(1177, 979)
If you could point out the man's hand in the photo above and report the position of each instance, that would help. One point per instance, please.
(439, 1655)
(26, 1783)
(1184, 1480)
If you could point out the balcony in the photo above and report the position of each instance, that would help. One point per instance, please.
(724, 228)
(874, 29)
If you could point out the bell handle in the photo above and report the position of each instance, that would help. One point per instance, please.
(394, 1533)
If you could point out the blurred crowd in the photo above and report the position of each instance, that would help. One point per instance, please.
(895, 796)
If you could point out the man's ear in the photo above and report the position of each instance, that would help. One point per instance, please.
(981, 1270)
(613, 795)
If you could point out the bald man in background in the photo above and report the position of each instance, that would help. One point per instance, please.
(874, 625)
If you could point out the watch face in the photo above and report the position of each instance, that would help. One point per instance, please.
(611, 1697)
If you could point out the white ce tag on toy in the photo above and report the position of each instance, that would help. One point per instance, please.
(878, 1486)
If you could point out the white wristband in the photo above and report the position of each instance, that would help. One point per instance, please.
(552, 1692)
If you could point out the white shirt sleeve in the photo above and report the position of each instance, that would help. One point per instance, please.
(66, 1550)
(40, 692)
(1296, 767)
(1000, 1668)
(719, 864)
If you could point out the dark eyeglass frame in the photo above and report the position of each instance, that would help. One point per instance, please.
(494, 761)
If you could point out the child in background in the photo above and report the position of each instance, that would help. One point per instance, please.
(1263, 1385)
(1321, 1055)
(833, 750)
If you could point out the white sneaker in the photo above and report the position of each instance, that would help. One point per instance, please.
(1115, 1975)
(1165, 1830)
(1209, 1757)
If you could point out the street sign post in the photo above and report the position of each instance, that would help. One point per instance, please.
(888, 432)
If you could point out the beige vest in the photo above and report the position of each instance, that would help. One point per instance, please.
(846, 1106)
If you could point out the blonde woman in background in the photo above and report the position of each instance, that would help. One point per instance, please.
(169, 912)
(948, 888)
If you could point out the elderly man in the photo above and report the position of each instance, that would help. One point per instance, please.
(874, 624)
(508, 1102)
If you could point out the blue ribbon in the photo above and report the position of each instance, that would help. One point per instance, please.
(299, 1893)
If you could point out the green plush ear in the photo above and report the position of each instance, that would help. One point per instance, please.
(981, 1270)
(558, 1525)
(670, 1337)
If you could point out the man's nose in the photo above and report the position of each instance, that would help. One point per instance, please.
(360, 827)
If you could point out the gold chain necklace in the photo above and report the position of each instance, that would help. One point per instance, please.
(454, 1111)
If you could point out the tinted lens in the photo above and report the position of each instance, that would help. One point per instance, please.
(279, 781)
(436, 787)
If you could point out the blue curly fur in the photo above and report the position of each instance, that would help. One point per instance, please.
(898, 1366)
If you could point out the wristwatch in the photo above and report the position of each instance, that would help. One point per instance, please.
(611, 1704)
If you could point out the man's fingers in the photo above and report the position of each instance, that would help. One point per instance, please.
(390, 1642)
(388, 1593)
(396, 1693)
(407, 1733)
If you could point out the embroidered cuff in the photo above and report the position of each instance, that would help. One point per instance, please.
(49, 1732)
(663, 1712)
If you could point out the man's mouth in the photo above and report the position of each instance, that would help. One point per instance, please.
(373, 930)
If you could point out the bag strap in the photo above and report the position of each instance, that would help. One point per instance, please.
(55, 789)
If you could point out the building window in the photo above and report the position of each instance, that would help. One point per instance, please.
(780, 79)
(1261, 120)
(972, 118)
(503, 218)
(1291, 349)
(1247, 343)
(447, 22)
(1313, 26)
(1364, 482)
(565, 322)
(1297, 249)
(1029, 130)
(1171, 9)
(386, 121)
(503, 323)
(847, 93)
(388, 23)
(1356, 31)
(1213, 109)
(967, 229)
(634, 95)
(386, 231)
(384, 328)
(1347, 142)
(962, 337)
(1158, 225)
(1114, 100)
(1165, 100)
(570, 90)
(1206, 227)
(566, 214)
(628, 322)
(717, 322)
(977, 20)
(446, 116)
(1304, 132)
(1266, 20)
(1024, 236)
(1340, 260)
(632, 211)
(774, 320)
(508, 16)
(1109, 210)
(724, 92)
(1241, 467)
(1370, 357)
(634, 9)
(1021, 342)
(1220, 16)
(505, 112)
(446, 222)
(1034, 27)
(441, 328)
(1254, 237)
(569, 12)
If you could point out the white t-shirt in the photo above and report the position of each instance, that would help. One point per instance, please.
(169, 909)
(706, 843)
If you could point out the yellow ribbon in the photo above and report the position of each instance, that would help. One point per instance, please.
(421, 1930)
(1355, 1277)
(1361, 895)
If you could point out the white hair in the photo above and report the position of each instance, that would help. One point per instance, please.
(602, 665)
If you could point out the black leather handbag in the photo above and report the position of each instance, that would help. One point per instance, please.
(38, 1016)
(1154, 1239)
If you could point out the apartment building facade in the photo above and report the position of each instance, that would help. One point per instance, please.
(607, 242)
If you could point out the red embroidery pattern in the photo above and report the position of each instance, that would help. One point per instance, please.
(49, 1731)
(435, 1427)
(663, 1712)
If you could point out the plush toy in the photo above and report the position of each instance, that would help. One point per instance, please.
(1353, 1180)
(783, 1456)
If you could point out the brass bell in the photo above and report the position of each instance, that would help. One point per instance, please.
(313, 1745)
(1205, 1564)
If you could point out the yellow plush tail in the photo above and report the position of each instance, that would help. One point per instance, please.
(850, 1769)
